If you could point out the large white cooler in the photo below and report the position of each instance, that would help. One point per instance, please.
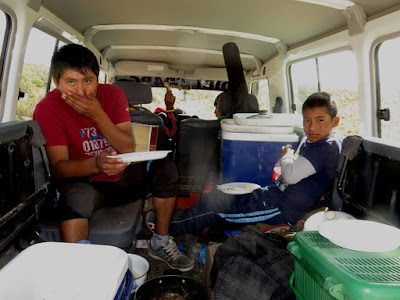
(250, 157)
(64, 271)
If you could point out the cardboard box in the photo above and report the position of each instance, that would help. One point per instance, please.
(145, 137)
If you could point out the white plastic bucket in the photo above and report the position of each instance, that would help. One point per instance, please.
(139, 268)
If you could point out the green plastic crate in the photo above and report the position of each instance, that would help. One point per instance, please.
(324, 270)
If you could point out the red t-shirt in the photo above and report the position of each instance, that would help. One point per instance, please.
(63, 126)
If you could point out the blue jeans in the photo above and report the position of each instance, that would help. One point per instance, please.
(224, 211)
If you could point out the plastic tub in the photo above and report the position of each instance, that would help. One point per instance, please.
(64, 271)
(231, 126)
(250, 157)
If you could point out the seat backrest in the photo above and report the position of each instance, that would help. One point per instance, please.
(24, 178)
(197, 150)
(139, 93)
(136, 92)
(367, 184)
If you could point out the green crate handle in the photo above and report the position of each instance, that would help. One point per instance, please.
(334, 288)
(294, 249)
(295, 291)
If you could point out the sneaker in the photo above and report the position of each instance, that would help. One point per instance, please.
(171, 255)
(150, 219)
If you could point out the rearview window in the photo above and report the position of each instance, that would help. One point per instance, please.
(193, 102)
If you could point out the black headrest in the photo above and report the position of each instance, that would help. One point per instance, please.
(136, 92)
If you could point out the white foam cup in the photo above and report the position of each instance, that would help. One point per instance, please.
(139, 267)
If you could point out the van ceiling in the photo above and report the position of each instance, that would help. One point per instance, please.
(192, 33)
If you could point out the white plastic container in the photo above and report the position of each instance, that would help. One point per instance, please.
(64, 271)
(290, 120)
(231, 126)
(139, 266)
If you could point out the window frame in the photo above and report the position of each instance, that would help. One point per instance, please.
(250, 88)
(376, 105)
(5, 54)
(6, 40)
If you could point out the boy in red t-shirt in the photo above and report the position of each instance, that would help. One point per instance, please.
(84, 123)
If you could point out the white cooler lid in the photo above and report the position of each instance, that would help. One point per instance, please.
(67, 271)
(231, 126)
(260, 137)
(272, 120)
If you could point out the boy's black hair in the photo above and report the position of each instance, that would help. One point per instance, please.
(75, 57)
(321, 99)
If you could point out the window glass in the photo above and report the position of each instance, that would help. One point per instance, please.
(35, 72)
(193, 102)
(335, 74)
(260, 89)
(388, 60)
(338, 77)
(304, 81)
(52, 84)
(102, 77)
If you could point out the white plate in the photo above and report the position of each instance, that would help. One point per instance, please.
(313, 222)
(238, 188)
(142, 156)
(361, 235)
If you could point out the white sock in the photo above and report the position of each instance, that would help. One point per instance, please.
(159, 240)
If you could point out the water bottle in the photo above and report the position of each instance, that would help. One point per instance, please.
(197, 252)
(202, 255)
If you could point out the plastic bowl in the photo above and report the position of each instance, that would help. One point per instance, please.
(139, 268)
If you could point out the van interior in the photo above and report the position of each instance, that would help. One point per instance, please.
(269, 54)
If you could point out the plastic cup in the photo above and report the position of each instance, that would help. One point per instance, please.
(139, 267)
(276, 173)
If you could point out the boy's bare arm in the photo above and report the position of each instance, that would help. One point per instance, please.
(63, 167)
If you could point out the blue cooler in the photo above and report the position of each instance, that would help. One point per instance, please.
(251, 157)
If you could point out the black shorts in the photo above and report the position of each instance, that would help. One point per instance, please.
(80, 197)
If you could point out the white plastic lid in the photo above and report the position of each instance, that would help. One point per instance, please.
(260, 137)
(272, 120)
(231, 126)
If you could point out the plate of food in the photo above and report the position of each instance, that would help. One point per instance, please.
(238, 188)
(142, 156)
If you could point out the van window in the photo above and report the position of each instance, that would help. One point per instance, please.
(260, 89)
(335, 74)
(102, 77)
(35, 80)
(4, 34)
(388, 90)
(193, 102)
